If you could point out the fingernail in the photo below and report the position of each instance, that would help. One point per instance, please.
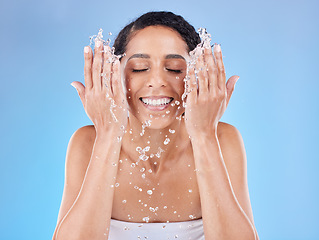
(236, 82)
(98, 43)
(73, 85)
(86, 50)
(217, 47)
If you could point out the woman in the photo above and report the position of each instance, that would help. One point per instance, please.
(151, 167)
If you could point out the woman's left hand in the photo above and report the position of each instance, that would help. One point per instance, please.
(207, 102)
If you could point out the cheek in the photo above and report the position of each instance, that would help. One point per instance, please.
(179, 84)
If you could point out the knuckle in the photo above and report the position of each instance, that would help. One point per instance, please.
(222, 70)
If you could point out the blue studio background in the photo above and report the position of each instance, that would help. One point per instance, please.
(273, 47)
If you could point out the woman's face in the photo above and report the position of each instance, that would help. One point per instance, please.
(154, 68)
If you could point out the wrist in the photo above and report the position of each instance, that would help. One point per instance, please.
(106, 134)
(205, 136)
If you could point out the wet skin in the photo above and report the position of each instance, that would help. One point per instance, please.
(154, 68)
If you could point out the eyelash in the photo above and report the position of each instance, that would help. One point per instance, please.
(139, 70)
(170, 70)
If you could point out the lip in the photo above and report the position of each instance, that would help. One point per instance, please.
(156, 108)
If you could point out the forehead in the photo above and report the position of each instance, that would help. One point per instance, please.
(157, 40)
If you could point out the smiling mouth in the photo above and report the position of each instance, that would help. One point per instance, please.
(158, 102)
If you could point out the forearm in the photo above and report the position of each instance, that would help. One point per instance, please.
(89, 217)
(223, 216)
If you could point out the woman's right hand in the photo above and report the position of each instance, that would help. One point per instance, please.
(102, 96)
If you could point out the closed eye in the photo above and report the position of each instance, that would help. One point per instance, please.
(139, 70)
(174, 70)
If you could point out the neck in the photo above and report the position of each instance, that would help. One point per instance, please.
(153, 147)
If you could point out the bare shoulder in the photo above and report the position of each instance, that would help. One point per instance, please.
(230, 139)
(83, 136)
(234, 155)
(79, 150)
(77, 160)
(226, 130)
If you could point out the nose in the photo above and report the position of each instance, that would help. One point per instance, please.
(156, 79)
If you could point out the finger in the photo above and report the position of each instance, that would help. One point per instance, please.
(97, 65)
(191, 87)
(107, 67)
(211, 71)
(80, 89)
(220, 67)
(230, 86)
(88, 56)
(116, 82)
(201, 75)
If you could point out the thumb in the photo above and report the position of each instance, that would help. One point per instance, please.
(230, 86)
(79, 87)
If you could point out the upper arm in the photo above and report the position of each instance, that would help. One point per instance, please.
(77, 160)
(234, 156)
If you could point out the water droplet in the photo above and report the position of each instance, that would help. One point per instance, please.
(152, 209)
(150, 170)
(190, 190)
(176, 236)
(142, 170)
(165, 207)
(140, 189)
(149, 192)
(146, 219)
(146, 149)
(117, 184)
(124, 201)
(143, 175)
(167, 140)
(126, 228)
(171, 130)
(167, 112)
(133, 165)
(175, 212)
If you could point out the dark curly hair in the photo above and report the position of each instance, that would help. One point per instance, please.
(167, 19)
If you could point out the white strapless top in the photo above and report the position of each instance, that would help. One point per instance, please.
(188, 230)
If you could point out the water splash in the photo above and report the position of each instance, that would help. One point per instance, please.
(194, 55)
(147, 123)
(142, 152)
(158, 154)
(107, 42)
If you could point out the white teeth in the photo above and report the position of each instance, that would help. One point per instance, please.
(156, 103)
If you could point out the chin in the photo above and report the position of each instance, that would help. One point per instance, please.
(156, 120)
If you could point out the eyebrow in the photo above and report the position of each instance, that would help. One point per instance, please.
(169, 56)
(174, 56)
(139, 55)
